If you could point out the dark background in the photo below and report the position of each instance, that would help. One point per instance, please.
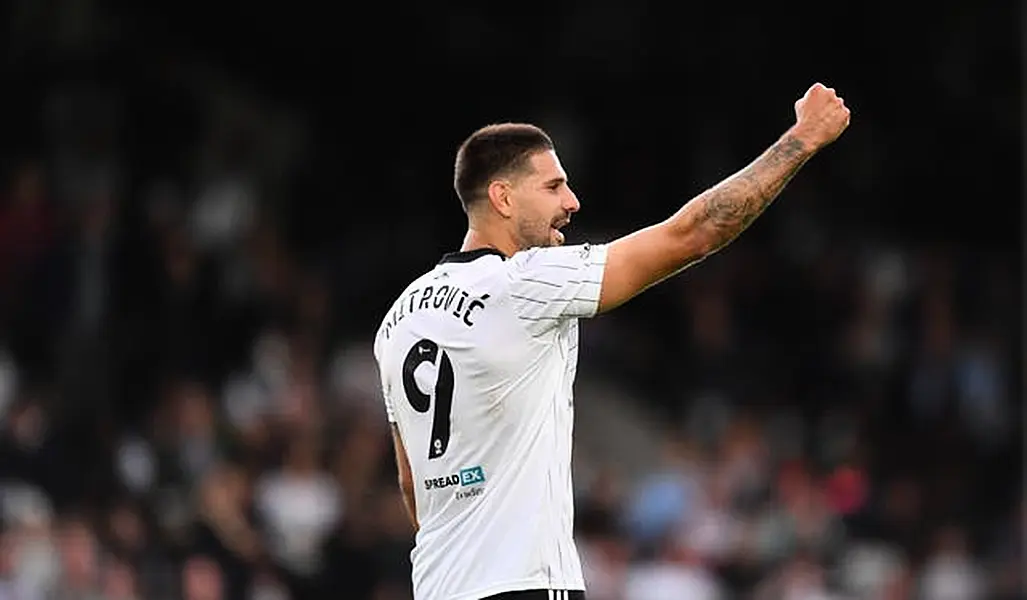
(875, 308)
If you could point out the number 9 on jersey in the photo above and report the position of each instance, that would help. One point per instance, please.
(427, 351)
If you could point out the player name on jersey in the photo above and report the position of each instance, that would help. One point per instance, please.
(441, 298)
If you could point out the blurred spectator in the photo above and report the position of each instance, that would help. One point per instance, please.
(202, 579)
(799, 579)
(81, 566)
(949, 572)
(299, 504)
(30, 555)
(119, 582)
(666, 498)
(224, 529)
(869, 569)
(672, 573)
(138, 562)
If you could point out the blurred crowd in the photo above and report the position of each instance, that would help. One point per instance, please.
(189, 409)
(176, 418)
(182, 419)
(844, 429)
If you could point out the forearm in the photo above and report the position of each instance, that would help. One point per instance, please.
(406, 478)
(408, 503)
(712, 219)
(721, 213)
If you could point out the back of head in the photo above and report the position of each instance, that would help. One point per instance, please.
(494, 151)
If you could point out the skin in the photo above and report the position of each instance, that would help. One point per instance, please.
(528, 209)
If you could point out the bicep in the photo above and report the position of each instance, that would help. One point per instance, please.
(646, 257)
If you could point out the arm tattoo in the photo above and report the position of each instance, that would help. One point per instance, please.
(732, 205)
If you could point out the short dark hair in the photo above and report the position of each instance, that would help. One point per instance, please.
(493, 151)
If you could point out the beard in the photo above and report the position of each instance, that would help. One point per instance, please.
(538, 233)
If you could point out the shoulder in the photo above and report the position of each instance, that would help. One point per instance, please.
(556, 255)
(393, 311)
(556, 264)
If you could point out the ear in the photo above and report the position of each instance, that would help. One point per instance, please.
(499, 197)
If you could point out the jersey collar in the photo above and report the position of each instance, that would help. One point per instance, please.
(469, 255)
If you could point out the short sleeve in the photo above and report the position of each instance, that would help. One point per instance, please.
(552, 284)
(390, 413)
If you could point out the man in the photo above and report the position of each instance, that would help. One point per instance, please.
(477, 357)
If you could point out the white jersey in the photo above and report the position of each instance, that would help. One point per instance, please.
(477, 360)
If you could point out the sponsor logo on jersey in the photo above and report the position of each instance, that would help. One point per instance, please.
(466, 477)
(472, 476)
(441, 482)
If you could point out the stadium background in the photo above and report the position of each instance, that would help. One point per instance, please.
(205, 211)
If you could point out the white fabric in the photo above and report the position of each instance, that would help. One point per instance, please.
(493, 486)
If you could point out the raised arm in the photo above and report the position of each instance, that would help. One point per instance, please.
(713, 219)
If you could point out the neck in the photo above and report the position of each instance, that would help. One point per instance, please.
(477, 238)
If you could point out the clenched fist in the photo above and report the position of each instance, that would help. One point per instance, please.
(821, 116)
